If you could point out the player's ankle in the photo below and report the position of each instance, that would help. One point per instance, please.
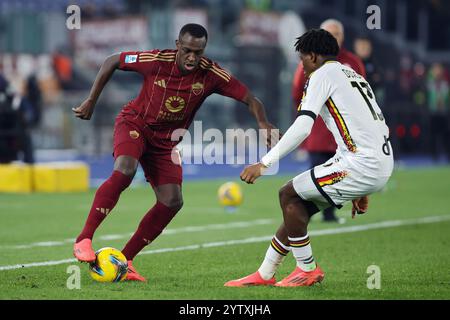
(266, 275)
(81, 238)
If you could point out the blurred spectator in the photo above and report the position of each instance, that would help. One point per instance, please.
(406, 76)
(320, 144)
(62, 64)
(16, 112)
(364, 50)
(438, 104)
(8, 146)
(34, 97)
(418, 89)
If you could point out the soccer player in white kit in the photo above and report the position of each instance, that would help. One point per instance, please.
(362, 164)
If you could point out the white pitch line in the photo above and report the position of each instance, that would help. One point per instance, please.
(341, 230)
(209, 227)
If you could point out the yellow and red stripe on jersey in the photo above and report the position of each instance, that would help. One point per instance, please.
(340, 123)
(205, 64)
(160, 56)
(333, 178)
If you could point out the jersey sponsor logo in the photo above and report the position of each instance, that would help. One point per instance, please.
(175, 103)
(134, 134)
(161, 83)
(131, 58)
(197, 88)
(331, 179)
(169, 116)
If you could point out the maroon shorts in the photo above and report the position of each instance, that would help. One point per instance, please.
(160, 166)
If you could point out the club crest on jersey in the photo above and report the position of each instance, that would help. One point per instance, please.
(134, 134)
(197, 88)
(131, 58)
(175, 103)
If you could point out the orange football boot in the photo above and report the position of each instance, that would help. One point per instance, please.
(300, 278)
(83, 251)
(254, 279)
(133, 275)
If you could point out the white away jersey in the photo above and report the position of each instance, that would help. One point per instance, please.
(348, 107)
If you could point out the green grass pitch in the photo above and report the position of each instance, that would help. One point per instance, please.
(200, 255)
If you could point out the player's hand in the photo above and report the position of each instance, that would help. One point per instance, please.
(252, 172)
(270, 133)
(360, 206)
(85, 110)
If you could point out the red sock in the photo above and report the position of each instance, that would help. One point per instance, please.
(150, 227)
(105, 199)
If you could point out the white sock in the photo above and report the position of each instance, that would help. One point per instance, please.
(274, 257)
(302, 251)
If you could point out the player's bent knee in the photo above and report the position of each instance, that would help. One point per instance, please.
(174, 203)
(126, 165)
(285, 195)
(290, 201)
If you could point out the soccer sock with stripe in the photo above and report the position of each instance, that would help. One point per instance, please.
(274, 257)
(105, 199)
(149, 228)
(302, 252)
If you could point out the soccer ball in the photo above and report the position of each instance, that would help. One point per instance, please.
(109, 266)
(230, 195)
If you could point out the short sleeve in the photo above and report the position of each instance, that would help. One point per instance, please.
(137, 61)
(317, 91)
(232, 88)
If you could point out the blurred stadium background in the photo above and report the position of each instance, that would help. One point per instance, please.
(47, 69)
(50, 69)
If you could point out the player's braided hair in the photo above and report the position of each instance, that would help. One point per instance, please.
(194, 30)
(318, 41)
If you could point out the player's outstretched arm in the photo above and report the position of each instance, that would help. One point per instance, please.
(257, 109)
(295, 135)
(252, 172)
(86, 109)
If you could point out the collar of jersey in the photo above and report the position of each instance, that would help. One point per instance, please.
(329, 61)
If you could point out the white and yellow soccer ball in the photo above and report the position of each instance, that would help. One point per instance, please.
(230, 195)
(110, 265)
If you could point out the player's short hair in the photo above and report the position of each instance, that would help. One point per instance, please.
(195, 30)
(318, 41)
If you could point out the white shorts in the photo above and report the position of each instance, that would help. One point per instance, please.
(336, 182)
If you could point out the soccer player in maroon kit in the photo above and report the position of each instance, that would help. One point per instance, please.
(176, 82)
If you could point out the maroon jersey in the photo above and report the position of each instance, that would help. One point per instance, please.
(168, 100)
